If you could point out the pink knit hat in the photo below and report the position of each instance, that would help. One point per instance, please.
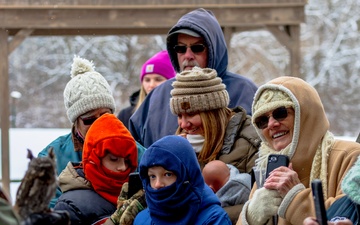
(160, 64)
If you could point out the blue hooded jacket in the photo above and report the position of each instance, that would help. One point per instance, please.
(187, 201)
(154, 120)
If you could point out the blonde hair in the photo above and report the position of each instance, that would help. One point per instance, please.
(141, 98)
(214, 125)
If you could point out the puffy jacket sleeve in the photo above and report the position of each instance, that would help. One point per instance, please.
(241, 143)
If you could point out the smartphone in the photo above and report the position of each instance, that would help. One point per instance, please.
(135, 184)
(318, 196)
(275, 161)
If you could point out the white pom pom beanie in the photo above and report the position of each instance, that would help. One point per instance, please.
(87, 90)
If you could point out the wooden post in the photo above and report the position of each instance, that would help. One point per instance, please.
(4, 111)
(290, 37)
(228, 31)
(295, 54)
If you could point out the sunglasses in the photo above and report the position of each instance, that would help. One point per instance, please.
(278, 114)
(88, 120)
(194, 48)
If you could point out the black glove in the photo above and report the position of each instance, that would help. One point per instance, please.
(58, 217)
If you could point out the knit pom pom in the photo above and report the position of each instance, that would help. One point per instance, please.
(81, 66)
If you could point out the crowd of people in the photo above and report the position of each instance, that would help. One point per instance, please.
(200, 138)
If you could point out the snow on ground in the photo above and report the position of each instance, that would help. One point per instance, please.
(21, 140)
(36, 140)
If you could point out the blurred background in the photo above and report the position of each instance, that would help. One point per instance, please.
(40, 67)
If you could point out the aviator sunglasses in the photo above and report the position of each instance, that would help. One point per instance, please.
(197, 48)
(278, 114)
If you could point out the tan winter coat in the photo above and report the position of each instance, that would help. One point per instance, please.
(310, 134)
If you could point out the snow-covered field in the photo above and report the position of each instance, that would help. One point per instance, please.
(20, 141)
(36, 140)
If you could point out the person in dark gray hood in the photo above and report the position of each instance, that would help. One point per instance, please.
(196, 40)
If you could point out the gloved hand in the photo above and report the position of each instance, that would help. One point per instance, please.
(136, 204)
(58, 217)
(264, 204)
(127, 209)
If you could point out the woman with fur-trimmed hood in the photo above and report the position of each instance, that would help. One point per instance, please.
(290, 119)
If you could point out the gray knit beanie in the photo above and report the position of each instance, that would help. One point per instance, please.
(87, 90)
(198, 90)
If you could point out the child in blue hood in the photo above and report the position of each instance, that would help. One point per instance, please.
(174, 187)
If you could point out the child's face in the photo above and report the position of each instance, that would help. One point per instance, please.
(114, 163)
(160, 177)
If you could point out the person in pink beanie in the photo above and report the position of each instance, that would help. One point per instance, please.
(154, 72)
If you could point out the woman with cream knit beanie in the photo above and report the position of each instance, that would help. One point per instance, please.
(87, 96)
(290, 119)
(200, 101)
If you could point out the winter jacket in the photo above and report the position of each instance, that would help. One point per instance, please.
(241, 142)
(236, 190)
(344, 208)
(349, 205)
(84, 205)
(188, 200)
(125, 114)
(311, 142)
(64, 152)
(154, 119)
(240, 149)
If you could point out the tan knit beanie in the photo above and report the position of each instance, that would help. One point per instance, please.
(87, 90)
(270, 100)
(198, 90)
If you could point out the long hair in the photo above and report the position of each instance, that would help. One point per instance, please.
(214, 124)
(141, 98)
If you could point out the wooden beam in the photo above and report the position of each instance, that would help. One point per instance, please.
(20, 36)
(164, 4)
(280, 34)
(289, 36)
(141, 18)
(93, 32)
(4, 111)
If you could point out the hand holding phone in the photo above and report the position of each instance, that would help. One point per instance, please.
(275, 161)
(318, 196)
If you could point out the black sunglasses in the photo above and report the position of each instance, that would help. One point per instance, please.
(278, 114)
(194, 48)
(88, 120)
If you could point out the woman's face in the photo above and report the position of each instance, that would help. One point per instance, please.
(151, 81)
(191, 123)
(114, 163)
(84, 121)
(279, 133)
(160, 177)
